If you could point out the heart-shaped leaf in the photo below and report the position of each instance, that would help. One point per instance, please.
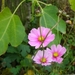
(11, 30)
(49, 19)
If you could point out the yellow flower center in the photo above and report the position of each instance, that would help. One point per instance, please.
(41, 38)
(55, 54)
(43, 60)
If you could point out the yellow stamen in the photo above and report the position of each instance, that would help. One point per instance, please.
(43, 60)
(55, 54)
(41, 38)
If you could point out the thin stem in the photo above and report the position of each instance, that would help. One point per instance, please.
(3, 5)
(51, 30)
(39, 6)
(47, 35)
(74, 21)
(48, 32)
(18, 6)
(43, 3)
(40, 27)
(33, 8)
(71, 63)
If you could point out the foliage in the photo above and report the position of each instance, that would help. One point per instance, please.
(15, 52)
(72, 2)
(11, 30)
(50, 19)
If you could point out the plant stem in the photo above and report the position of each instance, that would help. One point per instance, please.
(39, 6)
(74, 21)
(3, 5)
(51, 29)
(43, 3)
(18, 6)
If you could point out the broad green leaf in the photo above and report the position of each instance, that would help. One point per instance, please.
(11, 30)
(49, 19)
(16, 31)
(72, 3)
(4, 38)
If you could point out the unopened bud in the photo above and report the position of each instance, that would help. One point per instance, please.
(69, 22)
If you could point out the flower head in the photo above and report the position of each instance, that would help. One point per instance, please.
(57, 53)
(43, 58)
(37, 36)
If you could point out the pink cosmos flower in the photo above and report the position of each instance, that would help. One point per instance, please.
(57, 53)
(36, 37)
(43, 58)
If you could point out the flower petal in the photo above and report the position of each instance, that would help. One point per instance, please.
(53, 48)
(61, 50)
(41, 31)
(59, 60)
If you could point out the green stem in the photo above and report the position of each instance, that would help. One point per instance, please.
(39, 6)
(43, 3)
(18, 6)
(71, 63)
(33, 7)
(3, 5)
(51, 29)
(74, 21)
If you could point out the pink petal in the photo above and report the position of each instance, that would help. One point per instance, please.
(43, 31)
(37, 45)
(53, 48)
(36, 60)
(49, 59)
(37, 57)
(31, 38)
(32, 35)
(59, 60)
(34, 31)
(50, 38)
(40, 53)
(46, 64)
(32, 43)
(61, 50)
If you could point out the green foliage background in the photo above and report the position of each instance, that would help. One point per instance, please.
(15, 53)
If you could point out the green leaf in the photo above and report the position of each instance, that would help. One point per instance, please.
(11, 30)
(15, 70)
(11, 50)
(26, 38)
(49, 19)
(11, 58)
(7, 62)
(72, 3)
(24, 49)
(16, 31)
(25, 63)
